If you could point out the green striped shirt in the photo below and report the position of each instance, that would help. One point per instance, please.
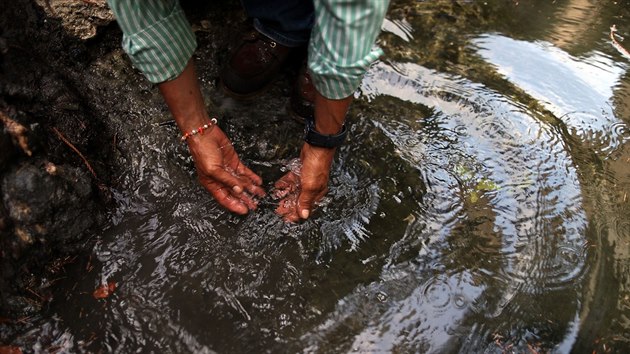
(160, 41)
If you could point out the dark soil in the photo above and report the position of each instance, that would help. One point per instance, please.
(53, 181)
(57, 147)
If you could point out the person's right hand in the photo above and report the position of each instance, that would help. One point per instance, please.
(221, 172)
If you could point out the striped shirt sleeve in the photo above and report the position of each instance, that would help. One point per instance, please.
(341, 48)
(156, 36)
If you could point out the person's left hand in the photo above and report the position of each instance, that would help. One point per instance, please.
(304, 185)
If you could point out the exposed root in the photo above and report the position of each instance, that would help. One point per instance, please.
(17, 131)
(67, 142)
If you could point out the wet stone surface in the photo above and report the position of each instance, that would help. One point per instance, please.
(49, 199)
(49, 203)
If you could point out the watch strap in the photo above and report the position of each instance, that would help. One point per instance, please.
(314, 138)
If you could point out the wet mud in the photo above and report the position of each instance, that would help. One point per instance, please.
(52, 176)
(63, 140)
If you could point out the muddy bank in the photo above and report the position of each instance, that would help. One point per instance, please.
(53, 181)
(73, 110)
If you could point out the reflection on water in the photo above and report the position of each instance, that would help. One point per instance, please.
(576, 91)
(500, 225)
(481, 208)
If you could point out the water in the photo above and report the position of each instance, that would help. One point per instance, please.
(480, 205)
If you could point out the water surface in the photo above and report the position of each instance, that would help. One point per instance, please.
(480, 205)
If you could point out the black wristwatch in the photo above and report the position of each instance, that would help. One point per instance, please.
(314, 138)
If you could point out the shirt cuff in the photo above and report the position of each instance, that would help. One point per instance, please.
(335, 81)
(162, 50)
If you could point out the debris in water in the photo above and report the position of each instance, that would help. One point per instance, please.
(382, 296)
(619, 47)
(10, 350)
(104, 290)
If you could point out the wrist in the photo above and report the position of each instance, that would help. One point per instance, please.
(203, 128)
(328, 141)
(328, 126)
(188, 122)
(330, 114)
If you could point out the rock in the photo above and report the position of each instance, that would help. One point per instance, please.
(45, 207)
(81, 18)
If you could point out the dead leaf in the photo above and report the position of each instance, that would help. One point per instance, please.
(104, 291)
(10, 350)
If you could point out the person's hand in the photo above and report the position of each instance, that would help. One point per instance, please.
(219, 169)
(306, 183)
(221, 172)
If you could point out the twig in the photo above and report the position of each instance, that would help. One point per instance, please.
(36, 294)
(24, 320)
(63, 138)
(17, 131)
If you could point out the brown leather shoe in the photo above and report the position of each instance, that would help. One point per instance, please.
(253, 65)
(302, 101)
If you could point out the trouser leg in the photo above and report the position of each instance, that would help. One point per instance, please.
(287, 22)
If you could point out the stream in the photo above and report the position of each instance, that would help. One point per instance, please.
(480, 203)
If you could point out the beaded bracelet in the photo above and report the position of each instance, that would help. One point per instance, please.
(199, 130)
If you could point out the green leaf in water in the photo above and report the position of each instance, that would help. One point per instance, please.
(486, 185)
(473, 197)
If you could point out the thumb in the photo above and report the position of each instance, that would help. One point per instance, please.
(305, 204)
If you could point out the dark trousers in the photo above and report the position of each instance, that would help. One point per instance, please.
(287, 22)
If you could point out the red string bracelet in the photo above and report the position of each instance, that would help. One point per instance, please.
(200, 130)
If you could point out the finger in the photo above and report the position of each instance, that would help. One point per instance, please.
(236, 184)
(255, 190)
(287, 180)
(223, 196)
(225, 178)
(243, 170)
(285, 185)
(306, 201)
(286, 209)
(235, 165)
(251, 181)
(292, 217)
(247, 199)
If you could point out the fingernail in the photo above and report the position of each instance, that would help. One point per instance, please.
(237, 189)
(305, 213)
